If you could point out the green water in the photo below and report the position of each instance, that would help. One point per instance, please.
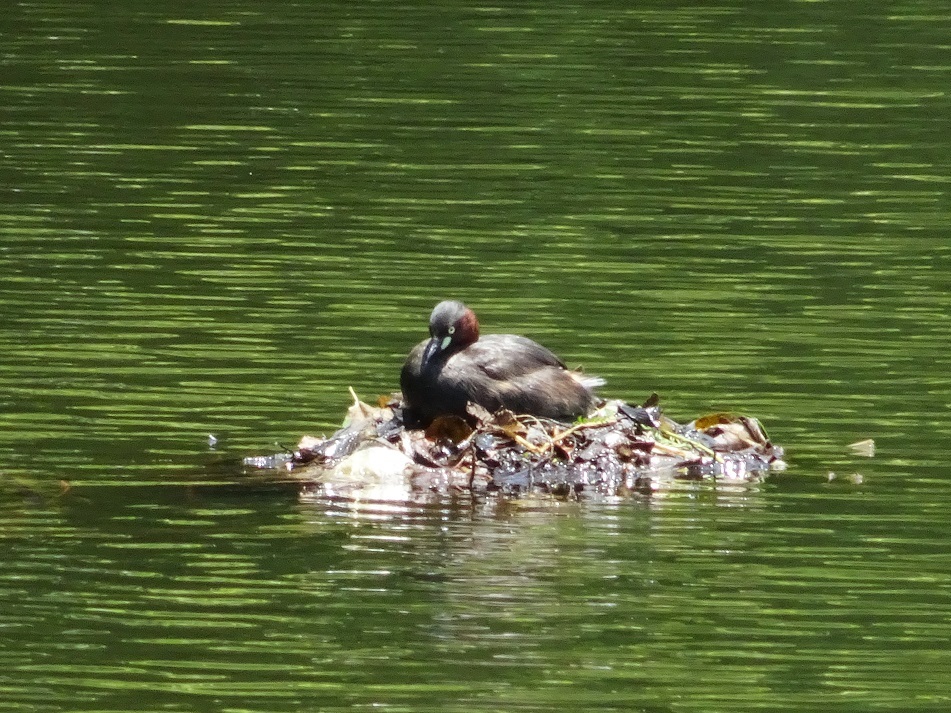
(215, 217)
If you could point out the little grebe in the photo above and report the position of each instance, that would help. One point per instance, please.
(442, 374)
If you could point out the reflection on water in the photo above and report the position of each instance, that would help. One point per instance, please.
(700, 597)
(216, 217)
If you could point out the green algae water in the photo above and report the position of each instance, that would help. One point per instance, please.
(216, 217)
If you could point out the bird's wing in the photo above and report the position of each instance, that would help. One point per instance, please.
(506, 356)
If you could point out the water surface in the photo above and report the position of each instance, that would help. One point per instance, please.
(216, 217)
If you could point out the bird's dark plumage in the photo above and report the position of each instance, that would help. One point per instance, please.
(455, 366)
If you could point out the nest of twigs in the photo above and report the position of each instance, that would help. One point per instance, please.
(619, 449)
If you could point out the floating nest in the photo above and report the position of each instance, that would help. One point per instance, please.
(618, 450)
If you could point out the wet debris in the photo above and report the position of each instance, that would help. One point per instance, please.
(851, 478)
(865, 448)
(619, 449)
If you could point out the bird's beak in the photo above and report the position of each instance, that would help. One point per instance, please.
(433, 348)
